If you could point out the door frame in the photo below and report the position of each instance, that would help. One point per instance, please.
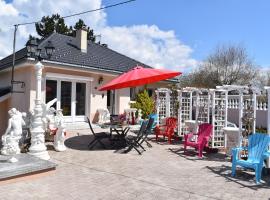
(73, 79)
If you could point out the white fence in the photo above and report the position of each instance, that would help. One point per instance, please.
(261, 111)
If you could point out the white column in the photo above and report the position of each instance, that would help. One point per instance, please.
(38, 147)
(180, 112)
(197, 107)
(240, 107)
(157, 105)
(226, 108)
(254, 98)
(268, 118)
(213, 115)
(208, 106)
(168, 102)
(190, 106)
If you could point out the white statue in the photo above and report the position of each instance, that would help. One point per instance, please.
(53, 121)
(10, 140)
(103, 116)
(59, 137)
(48, 114)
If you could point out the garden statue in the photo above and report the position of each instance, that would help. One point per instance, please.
(59, 137)
(10, 140)
(53, 123)
(48, 113)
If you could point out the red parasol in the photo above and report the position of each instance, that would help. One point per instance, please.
(139, 76)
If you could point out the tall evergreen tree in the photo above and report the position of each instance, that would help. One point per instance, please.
(90, 32)
(56, 23)
(48, 25)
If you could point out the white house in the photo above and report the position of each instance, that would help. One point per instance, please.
(73, 74)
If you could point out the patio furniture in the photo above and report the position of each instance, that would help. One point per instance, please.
(155, 116)
(166, 130)
(139, 76)
(204, 134)
(148, 131)
(103, 115)
(257, 148)
(233, 138)
(120, 130)
(98, 137)
(133, 142)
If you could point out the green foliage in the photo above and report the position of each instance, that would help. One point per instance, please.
(56, 23)
(90, 32)
(48, 25)
(261, 130)
(145, 103)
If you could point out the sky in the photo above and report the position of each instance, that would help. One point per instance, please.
(172, 34)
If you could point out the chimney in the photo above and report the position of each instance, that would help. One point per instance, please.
(81, 37)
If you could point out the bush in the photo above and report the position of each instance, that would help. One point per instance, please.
(145, 103)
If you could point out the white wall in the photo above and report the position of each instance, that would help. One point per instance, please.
(261, 117)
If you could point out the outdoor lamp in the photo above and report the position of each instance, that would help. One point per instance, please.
(31, 46)
(100, 80)
(49, 48)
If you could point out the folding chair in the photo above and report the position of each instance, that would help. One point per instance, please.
(148, 131)
(98, 137)
(134, 141)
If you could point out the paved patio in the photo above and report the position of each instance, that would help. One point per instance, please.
(162, 172)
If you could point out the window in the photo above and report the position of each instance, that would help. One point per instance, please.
(150, 92)
(80, 98)
(132, 94)
(51, 90)
(66, 98)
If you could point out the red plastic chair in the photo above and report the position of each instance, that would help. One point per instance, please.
(204, 134)
(167, 130)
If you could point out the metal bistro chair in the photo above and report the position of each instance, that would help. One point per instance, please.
(98, 137)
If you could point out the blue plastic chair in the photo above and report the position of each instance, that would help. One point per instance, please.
(257, 147)
(155, 117)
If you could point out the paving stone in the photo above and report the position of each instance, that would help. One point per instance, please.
(158, 173)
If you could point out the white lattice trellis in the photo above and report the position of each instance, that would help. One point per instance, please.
(184, 111)
(162, 103)
(203, 106)
(219, 116)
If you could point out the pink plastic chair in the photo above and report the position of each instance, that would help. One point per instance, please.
(204, 134)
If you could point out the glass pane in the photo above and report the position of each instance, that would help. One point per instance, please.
(66, 98)
(108, 98)
(132, 94)
(51, 89)
(80, 98)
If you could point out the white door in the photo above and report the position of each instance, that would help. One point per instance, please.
(71, 98)
(111, 101)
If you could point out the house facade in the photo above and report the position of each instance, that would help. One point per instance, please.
(73, 75)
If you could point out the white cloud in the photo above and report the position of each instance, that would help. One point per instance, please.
(7, 9)
(149, 44)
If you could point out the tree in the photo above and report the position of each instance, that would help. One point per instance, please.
(56, 23)
(90, 32)
(48, 25)
(145, 103)
(228, 65)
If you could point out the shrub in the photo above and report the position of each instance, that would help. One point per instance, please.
(145, 103)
